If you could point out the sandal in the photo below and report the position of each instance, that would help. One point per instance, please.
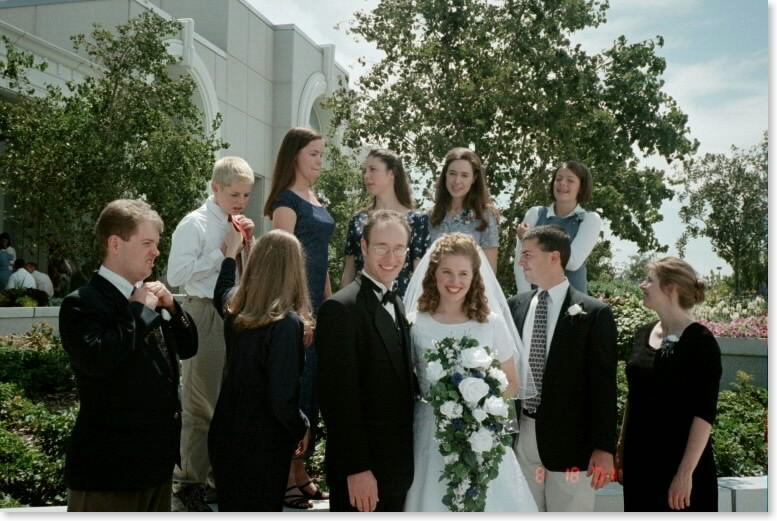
(298, 501)
(317, 495)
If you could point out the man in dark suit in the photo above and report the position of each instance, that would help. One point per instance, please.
(366, 379)
(569, 427)
(124, 339)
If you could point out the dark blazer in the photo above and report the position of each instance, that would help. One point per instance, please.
(578, 410)
(127, 433)
(366, 388)
(257, 422)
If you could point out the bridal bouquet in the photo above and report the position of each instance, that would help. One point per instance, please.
(466, 385)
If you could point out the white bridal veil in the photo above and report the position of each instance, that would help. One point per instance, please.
(497, 303)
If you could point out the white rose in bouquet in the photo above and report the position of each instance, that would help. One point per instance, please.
(434, 371)
(481, 440)
(496, 406)
(479, 414)
(450, 458)
(499, 376)
(473, 389)
(452, 409)
(475, 357)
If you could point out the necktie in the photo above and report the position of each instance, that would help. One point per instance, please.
(160, 342)
(537, 349)
(388, 297)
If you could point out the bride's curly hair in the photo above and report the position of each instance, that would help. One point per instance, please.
(475, 302)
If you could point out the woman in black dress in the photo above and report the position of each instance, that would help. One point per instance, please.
(664, 452)
(257, 424)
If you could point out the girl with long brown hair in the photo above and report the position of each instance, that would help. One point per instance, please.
(462, 202)
(386, 181)
(257, 425)
(294, 206)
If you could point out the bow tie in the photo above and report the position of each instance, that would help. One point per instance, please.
(388, 298)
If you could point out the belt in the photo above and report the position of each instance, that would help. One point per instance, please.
(532, 415)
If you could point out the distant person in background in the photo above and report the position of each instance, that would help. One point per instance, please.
(42, 281)
(5, 246)
(385, 180)
(462, 203)
(20, 278)
(5, 269)
(664, 453)
(570, 186)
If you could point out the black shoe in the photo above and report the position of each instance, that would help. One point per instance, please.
(189, 498)
(211, 495)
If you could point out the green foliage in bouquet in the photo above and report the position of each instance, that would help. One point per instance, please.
(466, 383)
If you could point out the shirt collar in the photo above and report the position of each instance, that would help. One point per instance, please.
(215, 209)
(558, 292)
(124, 286)
(379, 285)
(552, 210)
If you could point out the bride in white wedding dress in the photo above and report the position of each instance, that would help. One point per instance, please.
(449, 296)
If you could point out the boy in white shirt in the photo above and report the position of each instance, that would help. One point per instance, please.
(198, 246)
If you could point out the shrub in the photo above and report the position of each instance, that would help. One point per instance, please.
(753, 327)
(630, 315)
(731, 309)
(28, 475)
(36, 362)
(32, 449)
(739, 436)
(613, 288)
(23, 297)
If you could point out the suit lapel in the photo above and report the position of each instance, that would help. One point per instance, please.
(562, 331)
(387, 330)
(523, 311)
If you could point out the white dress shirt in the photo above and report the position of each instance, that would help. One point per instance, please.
(581, 246)
(124, 286)
(20, 279)
(43, 282)
(195, 253)
(387, 306)
(556, 296)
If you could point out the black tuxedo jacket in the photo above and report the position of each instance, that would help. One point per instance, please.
(578, 410)
(366, 388)
(127, 433)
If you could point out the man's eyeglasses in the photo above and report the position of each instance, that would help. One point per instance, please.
(382, 250)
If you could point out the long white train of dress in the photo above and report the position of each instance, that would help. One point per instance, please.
(508, 492)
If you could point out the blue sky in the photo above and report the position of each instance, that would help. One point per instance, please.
(717, 70)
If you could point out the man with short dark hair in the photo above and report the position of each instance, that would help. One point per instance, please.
(20, 278)
(567, 432)
(124, 338)
(367, 382)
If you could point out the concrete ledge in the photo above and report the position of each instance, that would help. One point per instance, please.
(747, 494)
(744, 354)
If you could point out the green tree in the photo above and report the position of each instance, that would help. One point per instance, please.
(129, 129)
(599, 263)
(340, 184)
(726, 200)
(505, 79)
(635, 269)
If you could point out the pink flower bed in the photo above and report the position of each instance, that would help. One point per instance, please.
(751, 327)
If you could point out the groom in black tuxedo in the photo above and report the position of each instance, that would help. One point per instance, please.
(567, 432)
(366, 378)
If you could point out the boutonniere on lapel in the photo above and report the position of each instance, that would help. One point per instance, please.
(668, 343)
(576, 310)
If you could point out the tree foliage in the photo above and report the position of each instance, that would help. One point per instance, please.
(128, 129)
(505, 79)
(726, 199)
(340, 185)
